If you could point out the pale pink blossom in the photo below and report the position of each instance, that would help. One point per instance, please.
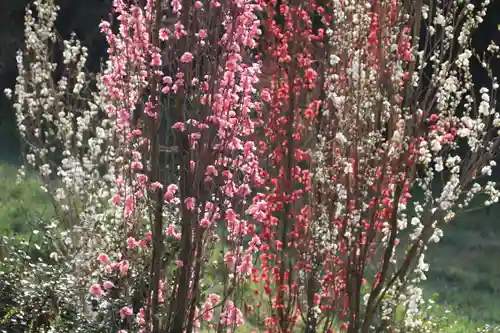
(205, 223)
(108, 285)
(211, 171)
(171, 231)
(229, 258)
(176, 6)
(167, 80)
(142, 178)
(168, 196)
(231, 315)
(123, 267)
(246, 265)
(202, 34)
(164, 34)
(156, 185)
(198, 5)
(179, 126)
(172, 188)
(96, 290)
(131, 243)
(103, 258)
(126, 311)
(186, 57)
(215, 4)
(190, 203)
(136, 165)
(156, 60)
(116, 200)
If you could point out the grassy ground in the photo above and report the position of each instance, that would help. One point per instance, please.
(20, 205)
(465, 266)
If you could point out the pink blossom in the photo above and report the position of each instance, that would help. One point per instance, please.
(266, 96)
(215, 4)
(205, 223)
(202, 34)
(142, 178)
(167, 80)
(171, 231)
(211, 171)
(126, 312)
(131, 243)
(156, 185)
(136, 154)
(164, 34)
(176, 6)
(179, 30)
(168, 196)
(198, 5)
(108, 285)
(103, 258)
(190, 203)
(179, 263)
(214, 298)
(116, 200)
(186, 57)
(244, 190)
(231, 315)
(246, 265)
(136, 165)
(179, 126)
(229, 258)
(96, 290)
(123, 266)
(193, 139)
(156, 60)
(172, 188)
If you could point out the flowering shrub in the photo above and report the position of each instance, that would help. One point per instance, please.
(236, 144)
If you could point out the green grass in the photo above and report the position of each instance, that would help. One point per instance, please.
(465, 266)
(21, 204)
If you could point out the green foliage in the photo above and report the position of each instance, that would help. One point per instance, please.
(21, 205)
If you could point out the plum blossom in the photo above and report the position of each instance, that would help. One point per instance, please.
(126, 311)
(108, 285)
(96, 290)
(187, 57)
